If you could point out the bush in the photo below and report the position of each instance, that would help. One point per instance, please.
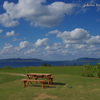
(98, 68)
(90, 71)
(74, 64)
(7, 67)
(46, 65)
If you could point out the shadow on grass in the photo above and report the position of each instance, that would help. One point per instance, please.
(56, 83)
(59, 83)
(46, 85)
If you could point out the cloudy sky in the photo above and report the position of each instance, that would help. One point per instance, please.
(49, 29)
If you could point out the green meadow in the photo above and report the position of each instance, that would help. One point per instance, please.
(69, 84)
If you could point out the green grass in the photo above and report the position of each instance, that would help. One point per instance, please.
(8, 78)
(83, 88)
(70, 70)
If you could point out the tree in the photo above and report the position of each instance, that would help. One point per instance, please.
(46, 64)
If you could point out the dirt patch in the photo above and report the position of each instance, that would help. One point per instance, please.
(16, 74)
(43, 96)
(79, 87)
(94, 90)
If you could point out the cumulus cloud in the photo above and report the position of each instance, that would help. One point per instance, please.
(75, 36)
(78, 36)
(30, 51)
(24, 44)
(94, 40)
(12, 33)
(77, 42)
(53, 32)
(7, 21)
(36, 12)
(53, 47)
(77, 39)
(41, 42)
(9, 51)
(7, 47)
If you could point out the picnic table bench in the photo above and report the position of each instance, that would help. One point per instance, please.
(46, 76)
(29, 80)
(32, 77)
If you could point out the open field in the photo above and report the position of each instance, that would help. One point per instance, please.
(83, 88)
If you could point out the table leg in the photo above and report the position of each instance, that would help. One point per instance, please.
(29, 77)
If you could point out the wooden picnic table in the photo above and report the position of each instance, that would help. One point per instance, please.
(46, 76)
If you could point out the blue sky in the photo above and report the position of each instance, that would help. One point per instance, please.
(49, 29)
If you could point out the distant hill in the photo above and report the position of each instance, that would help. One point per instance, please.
(86, 59)
(20, 60)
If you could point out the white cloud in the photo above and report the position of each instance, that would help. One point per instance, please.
(12, 33)
(53, 47)
(1, 30)
(76, 43)
(24, 44)
(6, 20)
(77, 40)
(36, 12)
(7, 49)
(94, 40)
(53, 32)
(77, 46)
(78, 36)
(91, 48)
(41, 42)
(75, 34)
(30, 51)
(7, 46)
(71, 41)
(15, 39)
(80, 46)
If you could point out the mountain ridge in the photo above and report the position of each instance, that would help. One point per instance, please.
(20, 60)
(83, 59)
(87, 59)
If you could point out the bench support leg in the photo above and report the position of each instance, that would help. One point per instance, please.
(42, 84)
(24, 83)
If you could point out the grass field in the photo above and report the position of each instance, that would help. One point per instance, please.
(82, 88)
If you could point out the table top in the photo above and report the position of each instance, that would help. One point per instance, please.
(46, 74)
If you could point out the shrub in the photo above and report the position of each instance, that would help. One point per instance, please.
(74, 64)
(7, 67)
(98, 68)
(89, 71)
(46, 65)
